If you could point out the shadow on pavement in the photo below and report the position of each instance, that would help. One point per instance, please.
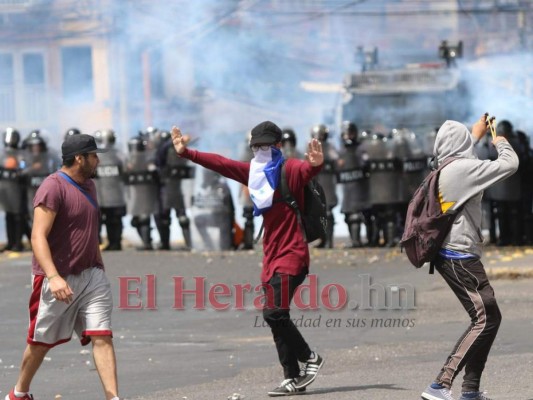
(352, 389)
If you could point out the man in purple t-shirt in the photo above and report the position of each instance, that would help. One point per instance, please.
(70, 292)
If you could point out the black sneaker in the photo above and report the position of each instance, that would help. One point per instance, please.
(286, 388)
(309, 371)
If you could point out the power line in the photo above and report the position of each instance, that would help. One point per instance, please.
(395, 13)
(321, 14)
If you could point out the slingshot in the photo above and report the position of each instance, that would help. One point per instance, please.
(491, 122)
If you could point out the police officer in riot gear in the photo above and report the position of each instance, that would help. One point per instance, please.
(110, 189)
(141, 189)
(353, 176)
(155, 139)
(507, 194)
(484, 152)
(214, 208)
(327, 177)
(385, 188)
(158, 141)
(11, 191)
(39, 162)
(525, 169)
(244, 198)
(288, 144)
(172, 170)
(413, 163)
(33, 135)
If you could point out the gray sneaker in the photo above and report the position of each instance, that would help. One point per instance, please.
(437, 394)
(480, 396)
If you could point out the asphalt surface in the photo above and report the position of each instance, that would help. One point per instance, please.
(387, 350)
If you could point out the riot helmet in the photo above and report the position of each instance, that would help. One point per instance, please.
(151, 136)
(37, 145)
(320, 132)
(164, 136)
(349, 134)
(11, 138)
(31, 137)
(288, 136)
(106, 136)
(72, 131)
(98, 136)
(136, 144)
(365, 135)
(504, 128)
(150, 131)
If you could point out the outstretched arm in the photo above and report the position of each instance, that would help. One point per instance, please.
(231, 169)
(480, 128)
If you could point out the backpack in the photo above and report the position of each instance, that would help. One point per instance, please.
(312, 219)
(426, 226)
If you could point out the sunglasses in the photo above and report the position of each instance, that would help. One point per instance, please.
(257, 147)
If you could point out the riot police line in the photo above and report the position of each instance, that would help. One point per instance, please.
(146, 184)
(375, 175)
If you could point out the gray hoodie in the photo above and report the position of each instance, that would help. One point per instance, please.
(463, 181)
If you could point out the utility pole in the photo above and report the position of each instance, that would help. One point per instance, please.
(521, 25)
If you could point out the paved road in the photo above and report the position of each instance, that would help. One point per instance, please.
(371, 353)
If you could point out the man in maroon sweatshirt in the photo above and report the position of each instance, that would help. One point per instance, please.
(286, 253)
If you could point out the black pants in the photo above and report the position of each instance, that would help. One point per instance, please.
(469, 282)
(290, 343)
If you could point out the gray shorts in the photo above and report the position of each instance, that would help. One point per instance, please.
(52, 322)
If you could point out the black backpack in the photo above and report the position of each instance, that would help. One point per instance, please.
(426, 226)
(312, 216)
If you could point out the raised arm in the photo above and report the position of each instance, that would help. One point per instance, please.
(490, 172)
(231, 169)
(308, 169)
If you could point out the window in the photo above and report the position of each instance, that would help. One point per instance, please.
(7, 89)
(6, 69)
(34, 87)
(33, 69)
(77, 68)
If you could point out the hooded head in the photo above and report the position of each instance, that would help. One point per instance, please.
(453, 140)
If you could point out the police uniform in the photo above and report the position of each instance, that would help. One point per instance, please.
(11, 190)
(141, 180)
(173, 170)
(110, 189)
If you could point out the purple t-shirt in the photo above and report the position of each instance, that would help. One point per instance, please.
(73, 239)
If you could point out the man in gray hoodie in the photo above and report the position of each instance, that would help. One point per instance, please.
(461, 186)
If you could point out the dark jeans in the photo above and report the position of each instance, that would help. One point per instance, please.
(290, 343)
(469, 282)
